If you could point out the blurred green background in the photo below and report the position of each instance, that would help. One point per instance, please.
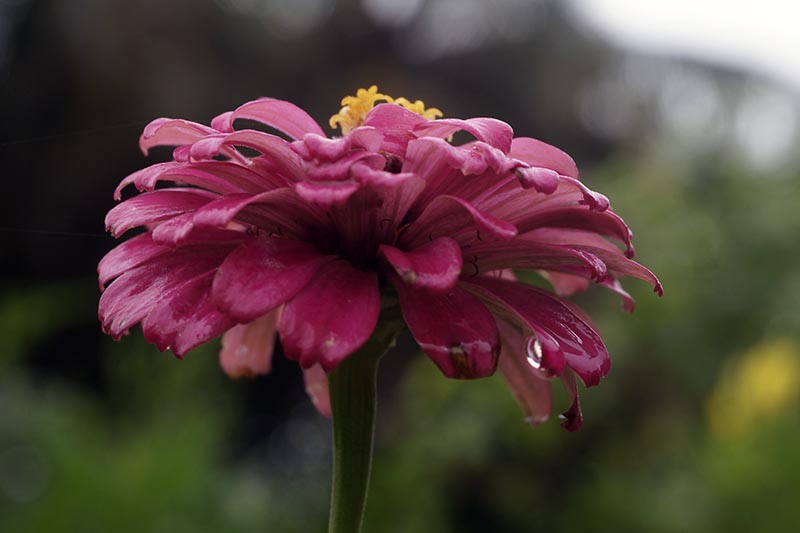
(695, 429)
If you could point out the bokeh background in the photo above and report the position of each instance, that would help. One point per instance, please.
(694, 139)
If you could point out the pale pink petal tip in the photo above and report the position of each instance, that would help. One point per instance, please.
(247, 348)
(316, 382)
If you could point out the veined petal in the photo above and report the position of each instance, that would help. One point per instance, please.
(316, 382)
(449, 215)
(543, 313)
(172, 132)
(529, 385)
(128, 255)
(435, 265)
(153, 207)
(455, 329)
(539, 154)
(262, 274)
(326, 193)
(272, 147)
(185, 317)
(490, 130)
(221, 177)
(332, 317)
(247, 348)
(130, 297)
(279, 114)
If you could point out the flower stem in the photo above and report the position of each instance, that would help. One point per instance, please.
(353, 394)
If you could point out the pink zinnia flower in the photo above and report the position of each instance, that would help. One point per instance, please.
(259, 234)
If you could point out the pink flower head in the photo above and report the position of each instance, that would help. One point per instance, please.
(256, 234)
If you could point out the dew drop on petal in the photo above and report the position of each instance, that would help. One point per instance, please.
(533, 352)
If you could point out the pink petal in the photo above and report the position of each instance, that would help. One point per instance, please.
(172, 132)
(492, 131)
(542, 180)
(316, 381)
(247, 348)
(153, 207)
(572, 418)
(550, 318)
(576, 217)
(323, 149)
(185, 317)
(129, 298)
(435, 265)
(281, 115)
(326, 193)
(272, 147)
(332, 317)
(543, 155)
(524, 254)
(222, 177)
(128, 255)
(396, 123)
(449, 215)
(529, 385)
(455, 329)
(263, 273)
(279, 210)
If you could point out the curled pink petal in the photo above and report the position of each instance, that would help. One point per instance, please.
(542, 155)
(172, 132)
(435, 265)
(283, 116)
(154, 207)
(492, 131)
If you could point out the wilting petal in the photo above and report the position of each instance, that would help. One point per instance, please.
(539, 154)
(332, 317)
(172, 132)
(492, 131)
(263, 273)
(153, 207)
(247, 348)
(185, 317)
(455, 329)
(435, 265)
(529, 385)
(546, 315)
(316, 381)
(278, 114)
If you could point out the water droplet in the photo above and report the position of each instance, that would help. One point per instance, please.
(533, 351)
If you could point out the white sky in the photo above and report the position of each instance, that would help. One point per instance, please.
(762, 36)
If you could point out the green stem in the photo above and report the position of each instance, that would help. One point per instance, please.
(352, 392)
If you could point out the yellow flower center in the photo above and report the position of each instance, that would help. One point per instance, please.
(355, 108)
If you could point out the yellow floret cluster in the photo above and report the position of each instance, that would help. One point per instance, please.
(355, 108)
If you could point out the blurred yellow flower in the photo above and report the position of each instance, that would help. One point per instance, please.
(756, 387)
